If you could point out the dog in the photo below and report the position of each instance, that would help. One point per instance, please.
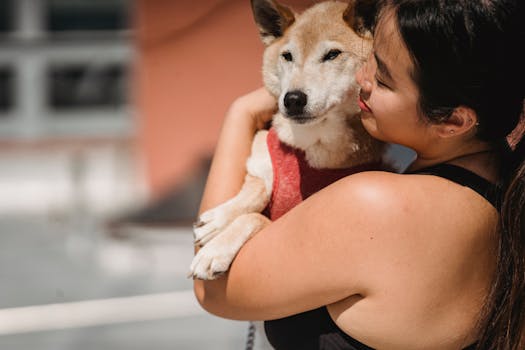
(316, 137)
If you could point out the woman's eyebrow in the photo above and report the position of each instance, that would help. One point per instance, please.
(382, 67)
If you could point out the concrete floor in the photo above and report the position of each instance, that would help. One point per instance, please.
(64, 284)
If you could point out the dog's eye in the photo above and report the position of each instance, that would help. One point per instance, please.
(287, 56)
(332, 54)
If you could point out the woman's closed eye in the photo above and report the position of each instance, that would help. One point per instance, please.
(381, 83)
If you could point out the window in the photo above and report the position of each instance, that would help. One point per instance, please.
(6, 24)
(87, 86)
(87, 15)
(6, 90)
(64, 68)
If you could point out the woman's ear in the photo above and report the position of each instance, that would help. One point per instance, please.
(462, 121)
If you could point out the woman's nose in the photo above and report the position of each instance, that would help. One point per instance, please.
(363, 81)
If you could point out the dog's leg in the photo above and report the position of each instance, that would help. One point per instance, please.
(253, 197)
(215, 257)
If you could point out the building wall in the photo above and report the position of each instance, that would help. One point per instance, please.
(67, 127)
(195, 57)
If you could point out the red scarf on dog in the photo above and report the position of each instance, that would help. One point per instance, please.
(294, 180)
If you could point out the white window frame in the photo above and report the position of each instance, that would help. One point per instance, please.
(30, 51)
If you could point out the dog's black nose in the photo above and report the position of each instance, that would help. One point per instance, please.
(295, 101)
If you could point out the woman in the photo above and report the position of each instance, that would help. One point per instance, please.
(430, 259)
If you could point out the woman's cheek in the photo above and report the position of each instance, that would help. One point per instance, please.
(370, 124)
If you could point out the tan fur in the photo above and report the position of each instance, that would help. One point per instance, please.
(329, 142)
(332, 137)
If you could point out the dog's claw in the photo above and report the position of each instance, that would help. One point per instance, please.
(208, 225)
(216, 274)
(198, 223)
(201, 242)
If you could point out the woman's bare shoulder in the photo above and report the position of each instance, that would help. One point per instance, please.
(414, 209)
(377, 193)
(384, 189)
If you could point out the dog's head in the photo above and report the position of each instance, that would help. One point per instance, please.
(311, 59)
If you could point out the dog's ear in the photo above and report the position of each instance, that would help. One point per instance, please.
(272, 19)
(361, 15)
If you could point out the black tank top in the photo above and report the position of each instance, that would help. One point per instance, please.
(315, 329)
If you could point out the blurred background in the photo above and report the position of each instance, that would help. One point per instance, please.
(109, 113)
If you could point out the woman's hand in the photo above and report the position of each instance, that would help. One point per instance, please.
(259, 106)
(247, 115)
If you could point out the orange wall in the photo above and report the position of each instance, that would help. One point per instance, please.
(195, 57)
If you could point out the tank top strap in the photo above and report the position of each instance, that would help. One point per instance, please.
(491, 192)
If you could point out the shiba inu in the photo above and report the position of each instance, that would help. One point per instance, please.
(316, 137)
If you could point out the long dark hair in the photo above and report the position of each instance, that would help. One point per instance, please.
(469, 53)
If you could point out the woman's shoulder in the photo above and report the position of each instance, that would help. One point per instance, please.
(380, 190)
(376, 187)
(407, 202)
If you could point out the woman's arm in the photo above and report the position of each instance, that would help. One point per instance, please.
(368, 234)
(246, 115)
(318, 253)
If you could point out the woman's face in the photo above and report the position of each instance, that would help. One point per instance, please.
(389, 96)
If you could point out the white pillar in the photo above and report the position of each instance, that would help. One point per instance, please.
(29, 19)
(29, 87)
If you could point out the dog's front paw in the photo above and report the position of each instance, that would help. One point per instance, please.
(210, 223)
(212, 260)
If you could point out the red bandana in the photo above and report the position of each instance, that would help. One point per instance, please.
(294, 180)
